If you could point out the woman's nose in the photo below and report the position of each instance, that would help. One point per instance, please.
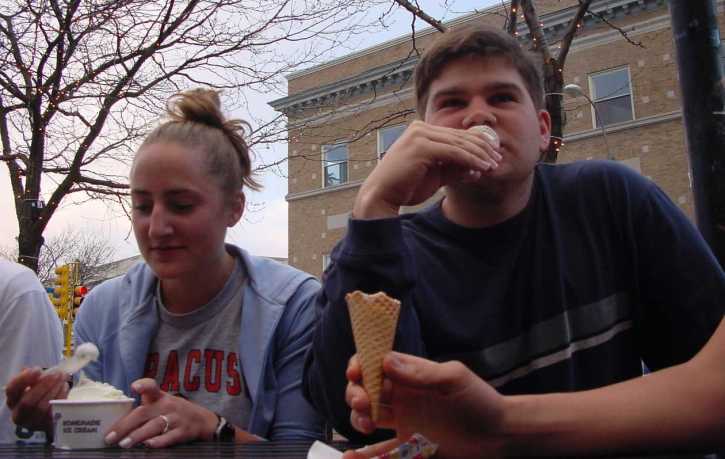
(479, 113)
(159, 224)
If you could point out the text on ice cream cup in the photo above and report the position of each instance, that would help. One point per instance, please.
(84, 424)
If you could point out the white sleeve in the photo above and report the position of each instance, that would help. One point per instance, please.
(30, 335)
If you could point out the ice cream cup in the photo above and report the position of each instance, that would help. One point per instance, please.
(83, 424)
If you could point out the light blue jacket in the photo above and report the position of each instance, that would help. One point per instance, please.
(120, 317)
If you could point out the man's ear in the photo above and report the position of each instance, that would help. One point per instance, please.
(544, 130)
(236, 208)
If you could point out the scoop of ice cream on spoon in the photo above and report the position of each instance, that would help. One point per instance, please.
(83, 355)
(488, 132)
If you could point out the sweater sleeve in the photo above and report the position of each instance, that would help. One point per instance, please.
(294, 418)
(372, 257)
(681, 284)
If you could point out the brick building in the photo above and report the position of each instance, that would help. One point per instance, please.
(343, 114)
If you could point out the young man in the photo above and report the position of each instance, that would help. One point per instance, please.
(539, 278)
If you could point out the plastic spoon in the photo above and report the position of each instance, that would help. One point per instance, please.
(83, 355)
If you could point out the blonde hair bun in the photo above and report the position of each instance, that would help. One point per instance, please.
(195, 119)
(197, 106)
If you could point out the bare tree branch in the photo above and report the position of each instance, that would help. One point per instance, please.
(512, 18)
(81, 82)
(417, 12)
(621, 31)
(538, 38)
(571, 31)
(90, 250)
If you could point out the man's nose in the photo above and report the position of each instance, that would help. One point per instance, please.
(479, 113)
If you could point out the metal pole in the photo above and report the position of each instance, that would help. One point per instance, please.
(697, 41)
(602, 127)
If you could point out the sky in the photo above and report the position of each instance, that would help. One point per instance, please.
(263, 229)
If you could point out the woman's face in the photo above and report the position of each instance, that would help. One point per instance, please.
(180, 214)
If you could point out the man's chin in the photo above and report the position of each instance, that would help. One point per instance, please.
(493, 185)
(489, 180)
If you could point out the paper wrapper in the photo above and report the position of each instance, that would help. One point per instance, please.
(418, 447)
(374, 319)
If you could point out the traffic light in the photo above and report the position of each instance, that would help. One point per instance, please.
(79, 293)
(67, 293)
(62, 290)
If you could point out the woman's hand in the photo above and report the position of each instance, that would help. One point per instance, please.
(161, 420)
(28, 395)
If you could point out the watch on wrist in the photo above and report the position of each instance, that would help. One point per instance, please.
(224, 431)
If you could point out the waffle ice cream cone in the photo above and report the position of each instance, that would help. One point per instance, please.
(374, 319)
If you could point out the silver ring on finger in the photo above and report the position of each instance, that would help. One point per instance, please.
(167, 424)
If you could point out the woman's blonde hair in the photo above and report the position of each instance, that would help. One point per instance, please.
(195, 120)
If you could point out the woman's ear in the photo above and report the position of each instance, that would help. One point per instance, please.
(236, 209)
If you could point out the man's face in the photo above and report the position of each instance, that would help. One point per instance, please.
(471, 91)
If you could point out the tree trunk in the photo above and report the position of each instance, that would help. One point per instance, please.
(553, 84)
(29, 238)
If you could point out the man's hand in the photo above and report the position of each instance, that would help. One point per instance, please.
(28, 395)
(357, 398)
(423, 159)
(445, 402)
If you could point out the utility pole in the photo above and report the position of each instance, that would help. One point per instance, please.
(697, 41)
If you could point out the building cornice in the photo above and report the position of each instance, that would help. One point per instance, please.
(397, 73)
(375, 80)
(651, 25)
(345, 111)
(556, 23)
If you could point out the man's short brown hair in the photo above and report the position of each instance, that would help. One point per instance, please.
(477, 41)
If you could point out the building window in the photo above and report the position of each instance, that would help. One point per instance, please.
(612, 95)
(334, 164)
(386, 137)
(325, 261)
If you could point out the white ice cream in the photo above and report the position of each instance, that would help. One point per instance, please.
(488, 132)
(87, 390)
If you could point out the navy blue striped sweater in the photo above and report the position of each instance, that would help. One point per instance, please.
(599, 272)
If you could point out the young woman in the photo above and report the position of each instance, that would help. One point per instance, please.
(211, 338)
